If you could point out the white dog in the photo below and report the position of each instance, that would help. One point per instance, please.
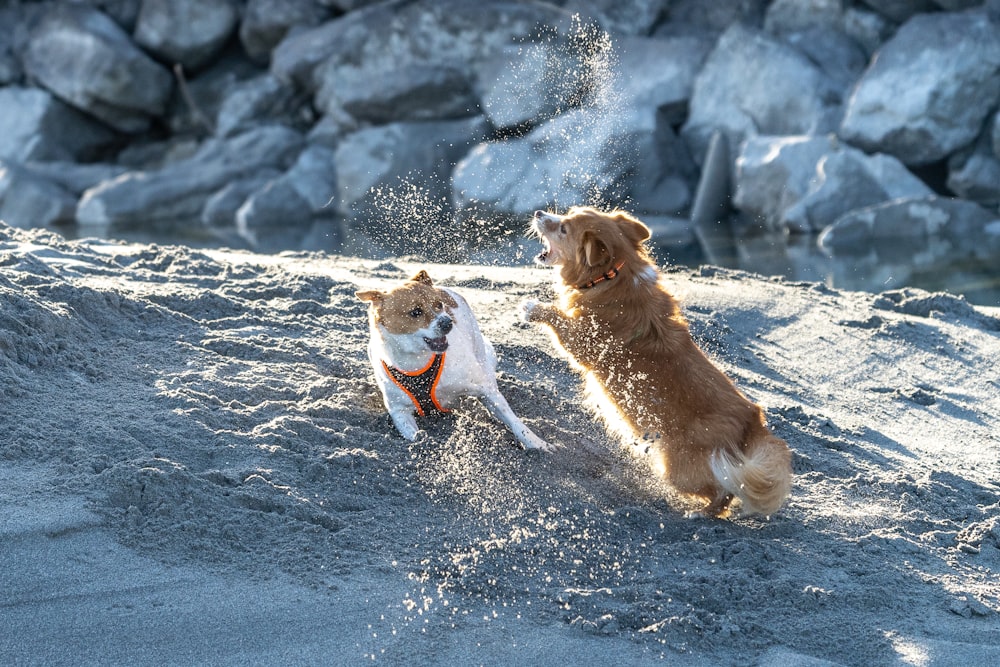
(428, 352)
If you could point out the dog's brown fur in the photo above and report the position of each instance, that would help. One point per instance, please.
(629, 335)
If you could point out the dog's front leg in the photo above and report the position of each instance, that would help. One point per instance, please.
(500, 409)
(405, 423)
(562, 326)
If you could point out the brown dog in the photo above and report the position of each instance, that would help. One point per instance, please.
(620, 325)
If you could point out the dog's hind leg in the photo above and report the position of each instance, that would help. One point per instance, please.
(716, 509)
(500, 409)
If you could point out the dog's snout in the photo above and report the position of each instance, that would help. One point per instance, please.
(443, 324)
(539, 214)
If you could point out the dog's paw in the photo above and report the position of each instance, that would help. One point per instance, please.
(527, 307)
(532, 443)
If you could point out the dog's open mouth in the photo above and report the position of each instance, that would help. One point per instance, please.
(439, 344)
(546, 254)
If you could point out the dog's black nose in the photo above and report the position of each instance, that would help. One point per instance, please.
(539, 214)
(444, 325)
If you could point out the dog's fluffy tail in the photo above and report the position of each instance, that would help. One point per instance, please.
(760, 475)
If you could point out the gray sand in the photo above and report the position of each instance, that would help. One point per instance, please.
(196, 467)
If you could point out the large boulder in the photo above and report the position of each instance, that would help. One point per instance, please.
(28, 200)
(819, 29)
(221, 207)
(393, 180)
(38, 126)
(527, 84)
(257, 100)
(962, 223)
(179, 190)
(900, 10)
(293, 199)
(84, 58)
(185, 32)
(804, 184)
(75, 177)
(266, 22)
(848, 179)
(687, 17)
(752, 84)
(929, 90)
(621, 17)
(618, 147)
(388, 43)
(773, 173)
(974, 173)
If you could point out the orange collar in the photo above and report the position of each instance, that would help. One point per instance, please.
(610, 274)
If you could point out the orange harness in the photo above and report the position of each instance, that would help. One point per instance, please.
(420, 386)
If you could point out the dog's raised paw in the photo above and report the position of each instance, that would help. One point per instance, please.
(527, 307)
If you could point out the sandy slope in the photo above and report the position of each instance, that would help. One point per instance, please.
(195, 467)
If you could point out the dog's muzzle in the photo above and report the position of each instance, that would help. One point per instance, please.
(442, 326)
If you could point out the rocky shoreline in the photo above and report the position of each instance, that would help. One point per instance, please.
(433, 127)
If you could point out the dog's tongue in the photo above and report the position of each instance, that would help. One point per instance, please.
(439, 344)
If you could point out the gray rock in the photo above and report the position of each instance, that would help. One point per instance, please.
(195, 111)
(527, 84)
(277, 206)
(929, 90)
(995, 134)
(389, 42)
(314, 176)
(188, 32)
(774, 173)
(960, 222)
(618, 147)
(975, 173)
(804, 184)
(785, 17)
(867, 28)
(621, 17)
(260, 99)
(398, 174)
(754, 84)
(348, 5)
(27, 200)
(957, 5)
(839, 56)
(266, 22)
(10, 65)
(688, 16)
(900, 10)
(657, 74)
(409, 91)
(179, 190)
(220, 208)
(73, 177)
(84, 58)
(37, 126)
(848, 179)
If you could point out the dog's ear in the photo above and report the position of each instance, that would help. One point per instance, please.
(422, 277)
(371, 296)
(594, 250)
(634, 231)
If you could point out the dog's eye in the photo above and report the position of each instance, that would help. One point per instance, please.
(417, 312)
(562, 228)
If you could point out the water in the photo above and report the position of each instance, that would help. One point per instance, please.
(929, 264)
